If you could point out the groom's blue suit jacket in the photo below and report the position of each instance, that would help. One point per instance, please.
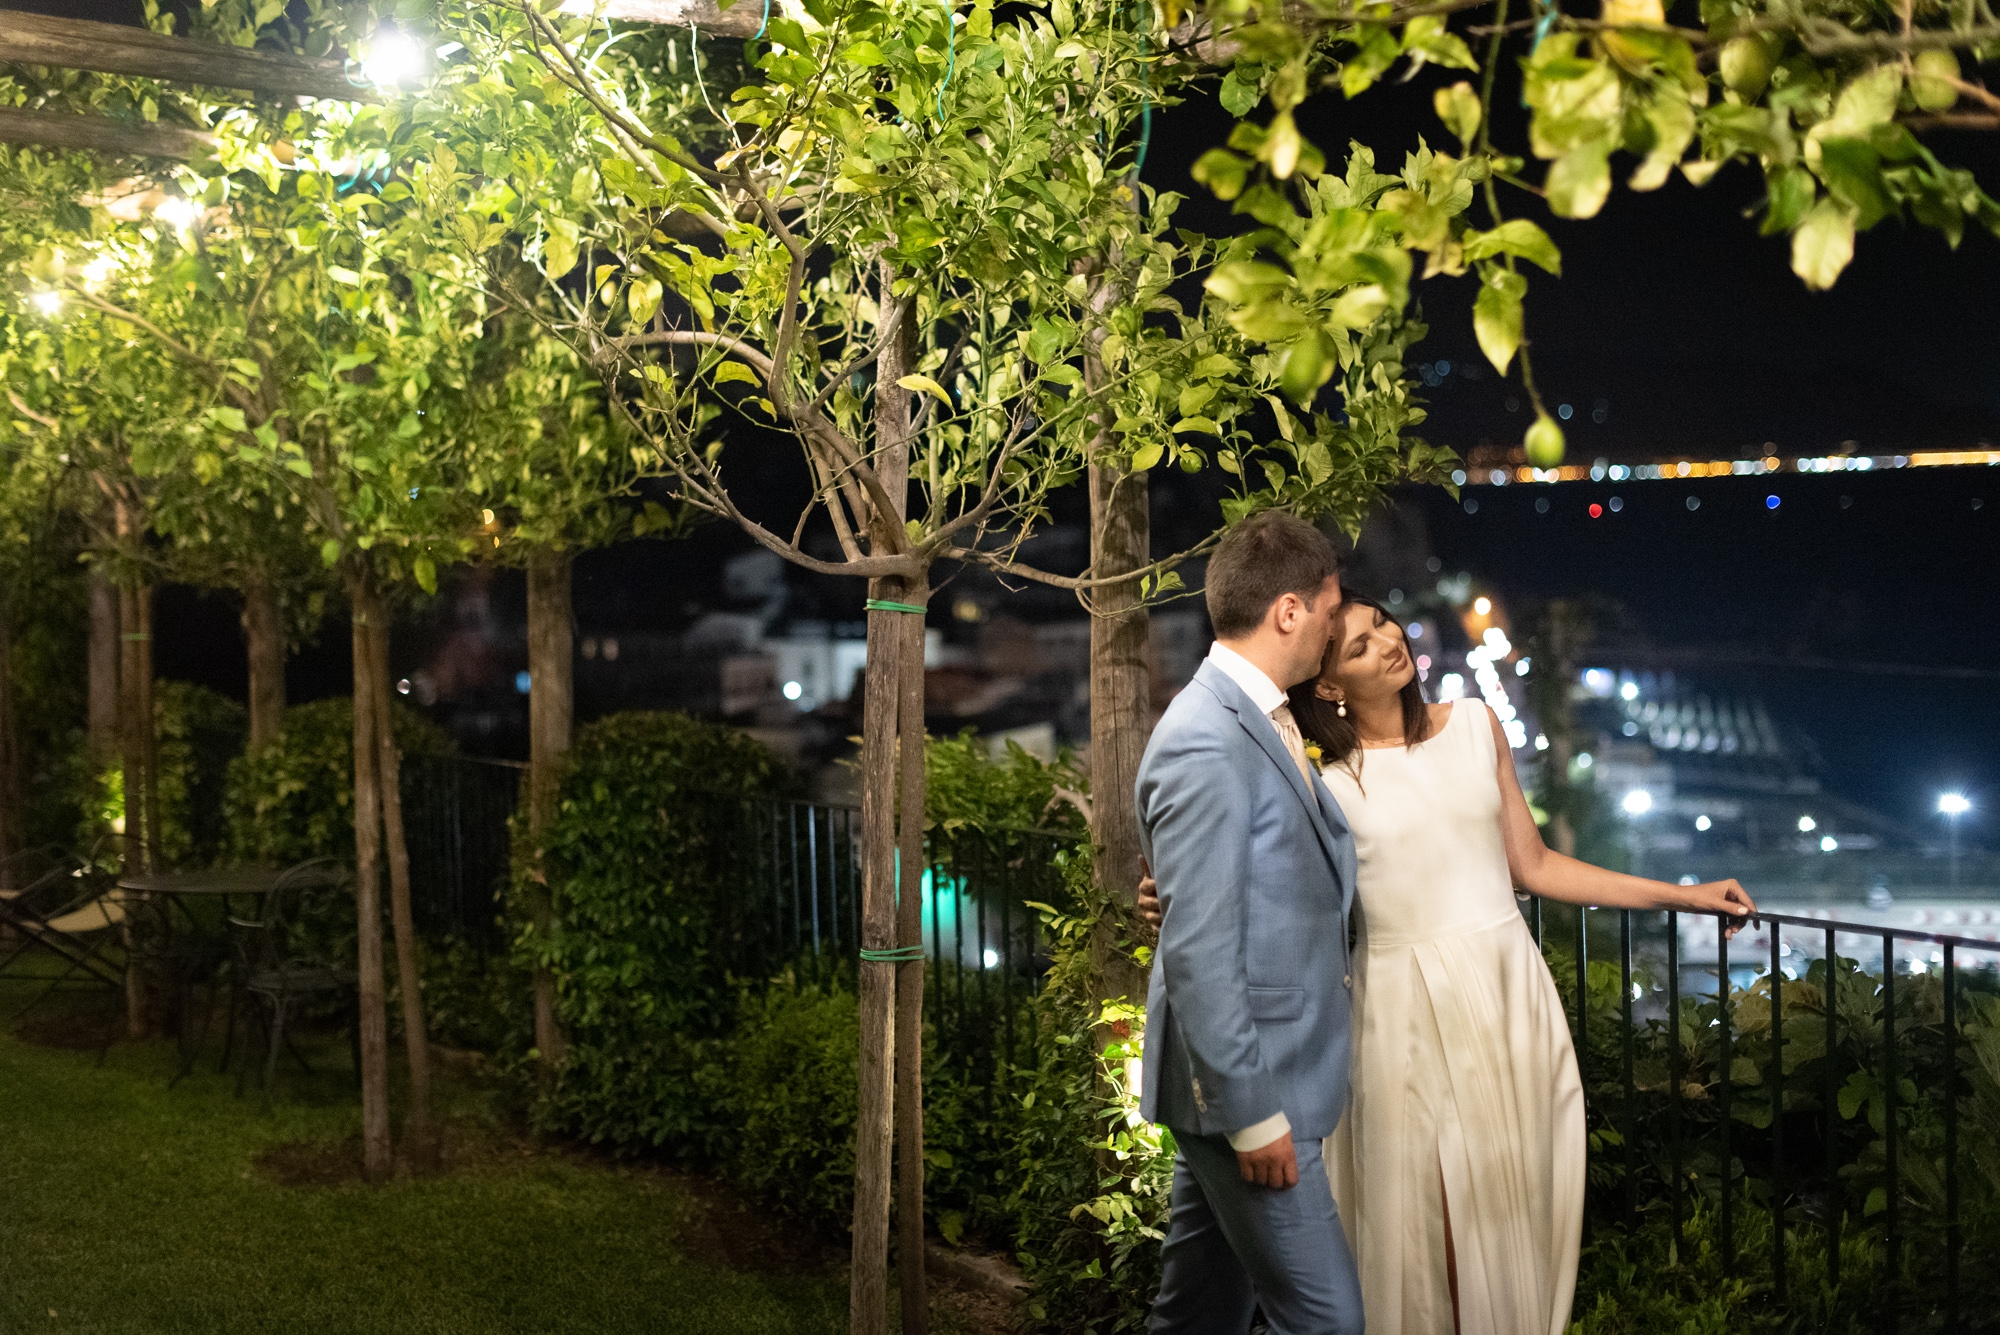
(1248, 1011)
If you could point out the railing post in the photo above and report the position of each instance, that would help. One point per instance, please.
(1777, 1118)
(1728, 1203)
(1892, 1234)
(1629, 1121)
(1674, 1079)
(1952, 1241)
(1836, 1211)
(812, 876)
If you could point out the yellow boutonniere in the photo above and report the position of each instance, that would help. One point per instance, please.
(1313, 754)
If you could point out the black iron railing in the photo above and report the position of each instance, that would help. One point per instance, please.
(456, 811)
(1786, 1182)
(800, 871)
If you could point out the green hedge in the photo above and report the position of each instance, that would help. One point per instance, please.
(639, 857)
(294, 799)
(198, 733)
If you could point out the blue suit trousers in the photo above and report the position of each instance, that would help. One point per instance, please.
(1233, 1246)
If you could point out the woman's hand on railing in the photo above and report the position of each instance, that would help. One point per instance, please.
(1718, 897)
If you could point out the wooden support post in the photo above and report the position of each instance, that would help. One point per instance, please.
(115, 48)
(376, 1158)
(551, 720)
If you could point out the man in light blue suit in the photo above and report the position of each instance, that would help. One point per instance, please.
(1247, 1017)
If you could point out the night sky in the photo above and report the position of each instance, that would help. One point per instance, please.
(1692, 334)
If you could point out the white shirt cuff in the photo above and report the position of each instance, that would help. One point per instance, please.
(1258, 1136)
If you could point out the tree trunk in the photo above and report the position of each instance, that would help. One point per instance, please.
(132, 843)
(103, 654)
(149, 737)
(1120, 695)
(374, 1015)
(11, 823)
(910, 979)
(868, 1296)
(264, 638)
(868, 1299)
(551, 711)
(1120, 708)
(420, 1139)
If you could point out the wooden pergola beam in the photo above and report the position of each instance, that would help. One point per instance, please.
(101, 134)
(741, 19)
(111, 48)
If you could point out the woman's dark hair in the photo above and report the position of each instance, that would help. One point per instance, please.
(1319, 721)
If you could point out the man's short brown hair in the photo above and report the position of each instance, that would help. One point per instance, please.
(1259, 561)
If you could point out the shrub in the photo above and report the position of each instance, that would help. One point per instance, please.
(640, 856)
(294, 799)
(197, 735)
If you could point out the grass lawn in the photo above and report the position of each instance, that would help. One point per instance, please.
(126, 1206)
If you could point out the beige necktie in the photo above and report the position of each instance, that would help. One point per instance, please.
(1288, 731)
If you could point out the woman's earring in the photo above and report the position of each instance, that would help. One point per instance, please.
(1340, 706)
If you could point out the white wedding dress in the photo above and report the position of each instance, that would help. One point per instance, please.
(1465, 1080)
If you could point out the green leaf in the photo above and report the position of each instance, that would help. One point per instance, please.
(1496, 316)
(426, 572)
(1458, 107)
(229, 419)
(1518, 237)
(1307, 367)
(1201, 424)
(343, 275)
(1860, 1088)
(1425, 36)
(1853, 172)
(1579, 180)
(559, 250)
(1792, 190)
(923, 384)
(1242, 89)
(1371, 62)
(865, 54)
(1146, 456)
(727, 371)
(1823, 245)
(1243, 281)
(1359, 307)
(642, 298)
(329, 553)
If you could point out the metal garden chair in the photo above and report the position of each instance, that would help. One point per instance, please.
(70, 907)
(276, 978)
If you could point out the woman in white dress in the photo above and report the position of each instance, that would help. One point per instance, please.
(1459, 1169)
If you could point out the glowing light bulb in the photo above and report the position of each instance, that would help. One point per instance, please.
(1807, 825)
(394, 59)
(1953, 804)
(1638, 802)
(1482, 605)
